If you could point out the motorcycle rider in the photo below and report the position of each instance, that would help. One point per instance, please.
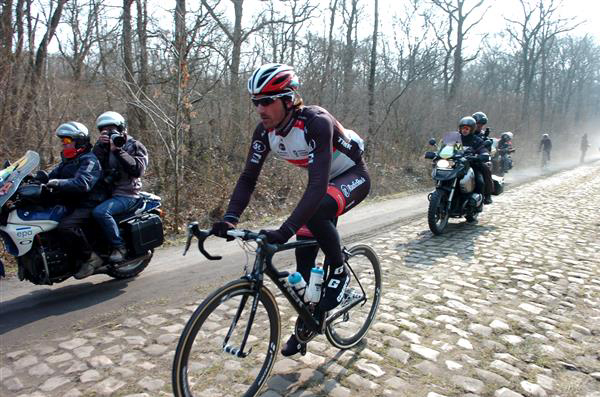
(546, 146)
(124, 161)
(505, 146)
(480, 120)
(74, 180)
(309, 137)
(466, 127)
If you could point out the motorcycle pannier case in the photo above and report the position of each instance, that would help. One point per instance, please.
(144, 233)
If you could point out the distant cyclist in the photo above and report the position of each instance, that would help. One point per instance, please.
(308, 137)
(545, 148)
(585, 144)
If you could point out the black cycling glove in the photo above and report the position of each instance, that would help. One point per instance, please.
(279, 236)
(220, 229)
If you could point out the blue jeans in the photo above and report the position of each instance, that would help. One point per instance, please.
(104, 212)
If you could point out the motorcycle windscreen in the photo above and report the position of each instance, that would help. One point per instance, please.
(452, 138)
(11, 176)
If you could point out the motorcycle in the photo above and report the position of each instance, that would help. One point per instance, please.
(501, 149)
(28, 219)
(454, 195)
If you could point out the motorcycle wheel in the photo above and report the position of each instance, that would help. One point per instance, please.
(130, 271)
(437, 216)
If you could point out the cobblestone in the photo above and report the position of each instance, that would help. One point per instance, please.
(507, 307)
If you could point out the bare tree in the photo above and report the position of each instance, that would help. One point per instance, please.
(76, 46)
(533, 35)
(372, 69)
(237, 36)
(37, 70)
(325, 79)
(457, 26)
(351, 22)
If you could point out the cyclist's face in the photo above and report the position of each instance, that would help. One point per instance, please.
(273, 114)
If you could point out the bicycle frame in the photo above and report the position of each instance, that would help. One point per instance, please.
(263, 264)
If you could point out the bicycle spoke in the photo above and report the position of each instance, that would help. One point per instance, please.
(211, 370)
(354, 315)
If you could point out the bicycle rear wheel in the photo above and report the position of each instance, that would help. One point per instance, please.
(361, 299)
(203, 366)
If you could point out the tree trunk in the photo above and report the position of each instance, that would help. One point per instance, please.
(142, 32)
(349, 58)
(128, 69)
(38, 68)
(372, 69)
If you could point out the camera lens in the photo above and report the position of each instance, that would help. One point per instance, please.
(117, 139)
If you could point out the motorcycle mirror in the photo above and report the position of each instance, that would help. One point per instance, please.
(430, 155)
(6, 164)
(432, 142)
(42, 176)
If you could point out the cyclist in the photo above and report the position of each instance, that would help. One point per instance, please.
(545, 148)
(308, 137)
(584, 147)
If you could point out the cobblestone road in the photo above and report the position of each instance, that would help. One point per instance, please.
(507, 307)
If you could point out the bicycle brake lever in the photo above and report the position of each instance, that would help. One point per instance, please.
(191, 228)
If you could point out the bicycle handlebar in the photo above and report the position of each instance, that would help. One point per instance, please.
(203, 234)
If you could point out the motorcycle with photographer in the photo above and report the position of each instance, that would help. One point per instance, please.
(459, 182)
(45, 220)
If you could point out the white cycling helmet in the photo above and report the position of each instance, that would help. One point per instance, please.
(273, 78)
(111, 118)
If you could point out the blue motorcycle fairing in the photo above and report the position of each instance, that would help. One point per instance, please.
(55, 214)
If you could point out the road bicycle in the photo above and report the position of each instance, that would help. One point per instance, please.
(229, 345)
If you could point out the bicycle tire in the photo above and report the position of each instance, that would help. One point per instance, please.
(203, 373)
(365, 264)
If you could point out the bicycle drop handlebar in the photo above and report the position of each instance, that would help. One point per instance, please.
(203, 234)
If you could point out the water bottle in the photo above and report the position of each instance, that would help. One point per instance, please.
(298, 284)
(313, 291)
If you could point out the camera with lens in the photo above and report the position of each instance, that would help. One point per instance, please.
(117, 138)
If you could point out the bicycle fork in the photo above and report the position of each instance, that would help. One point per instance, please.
(234, 351)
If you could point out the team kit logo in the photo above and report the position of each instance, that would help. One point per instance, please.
(347, 189)
(258, 146)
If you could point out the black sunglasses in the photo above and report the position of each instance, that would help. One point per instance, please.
(265, 101)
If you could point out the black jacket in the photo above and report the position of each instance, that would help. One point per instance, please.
(78, 181)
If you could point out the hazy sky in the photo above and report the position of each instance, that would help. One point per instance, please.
(587, 12)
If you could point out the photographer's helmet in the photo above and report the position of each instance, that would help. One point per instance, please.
(467, 121)
(78, 133)
(111, 118)
(480, 118)
(273, 79)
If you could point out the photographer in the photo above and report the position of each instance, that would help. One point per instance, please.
(124, 161)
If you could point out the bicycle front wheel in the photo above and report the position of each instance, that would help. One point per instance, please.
(208, 361)
(361, 299)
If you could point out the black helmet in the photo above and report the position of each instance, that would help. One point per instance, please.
(469, 121)
(480, 118)
(76, 131)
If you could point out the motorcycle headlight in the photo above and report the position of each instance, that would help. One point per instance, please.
(443, 163)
